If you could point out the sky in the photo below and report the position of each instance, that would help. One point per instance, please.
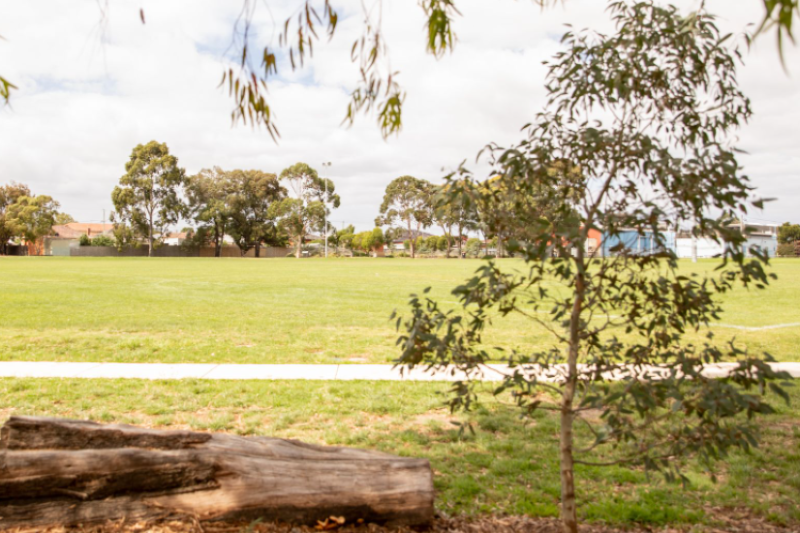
(93, 82)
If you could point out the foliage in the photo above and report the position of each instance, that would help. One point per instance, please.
(252, 202)
(443, 243)
(63, 218)
(124, 234)
(9, 194)
(342, 237)
(638, 130)
(32, 217)
(207, 200)
(308, 209)
(368, 241)
(409, 200)
(102, 240)
(148, 196)
(787, 250)
(788, 233)
(474, 247)
(432, 243)
(84, 240)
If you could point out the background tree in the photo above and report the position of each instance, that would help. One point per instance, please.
(788, 233)
(454, 208)
(342, 237)
(307, 208)
(253, 198)
(32, 217)
(207, 195)
(636, 115)
(9, 194)
(148, 197)
(407, 200)
(63, 218)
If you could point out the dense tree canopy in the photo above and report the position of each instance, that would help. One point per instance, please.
(207, 195)
(32, 217)
(253, 206)
(9, 194)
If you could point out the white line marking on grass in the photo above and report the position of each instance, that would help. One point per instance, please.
(759, 328)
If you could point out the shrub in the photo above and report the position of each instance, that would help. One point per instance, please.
(85, 240)
(786, 250)
(473, 247)
(102, 240)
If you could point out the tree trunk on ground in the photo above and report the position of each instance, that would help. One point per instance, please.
(66, 472)
(258, 248)
(217, 248)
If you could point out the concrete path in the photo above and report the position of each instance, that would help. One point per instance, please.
(45, 369)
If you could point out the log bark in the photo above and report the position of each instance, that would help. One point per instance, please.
(68, 472)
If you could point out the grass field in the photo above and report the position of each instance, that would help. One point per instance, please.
(280, 310)
(507, 466)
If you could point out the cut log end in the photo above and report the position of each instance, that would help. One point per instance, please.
(66, 472)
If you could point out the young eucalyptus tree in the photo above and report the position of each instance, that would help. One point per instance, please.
(639, 129)
(148, 196)
(307, 209)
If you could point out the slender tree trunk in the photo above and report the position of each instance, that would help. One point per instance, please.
(460, 242)
(411, 239)
(569, 515)
(258, 248)
(298, 247)
(150, 239)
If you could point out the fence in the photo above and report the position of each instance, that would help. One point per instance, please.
(171, 251)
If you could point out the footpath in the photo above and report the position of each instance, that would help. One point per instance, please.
(348, 372)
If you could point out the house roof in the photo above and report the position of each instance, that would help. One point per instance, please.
(179, 235)
(76, 229)
(404, 235)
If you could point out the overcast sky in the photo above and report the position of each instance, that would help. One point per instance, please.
(92, 87)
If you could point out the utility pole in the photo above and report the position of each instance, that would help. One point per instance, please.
(325, 212)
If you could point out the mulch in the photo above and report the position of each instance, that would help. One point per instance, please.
(486, 524)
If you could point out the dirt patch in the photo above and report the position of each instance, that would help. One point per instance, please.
(488, 524)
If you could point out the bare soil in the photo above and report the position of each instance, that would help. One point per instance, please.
(488, 524)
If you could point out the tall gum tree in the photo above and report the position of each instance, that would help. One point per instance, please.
(643, 123)
(252, 202)
(306, 209)
(148, 196)
(408, 200)
(207, 201)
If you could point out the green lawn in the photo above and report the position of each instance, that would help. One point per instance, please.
(278, 310)
(507, 466)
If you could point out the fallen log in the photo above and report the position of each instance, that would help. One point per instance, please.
(67, 472)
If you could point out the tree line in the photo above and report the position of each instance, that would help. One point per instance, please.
(253, 207)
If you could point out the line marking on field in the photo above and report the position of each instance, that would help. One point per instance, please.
(756, 328)
(354, 372)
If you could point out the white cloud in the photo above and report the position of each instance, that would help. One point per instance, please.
(90, 90)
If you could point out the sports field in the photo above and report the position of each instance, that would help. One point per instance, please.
(284, 310)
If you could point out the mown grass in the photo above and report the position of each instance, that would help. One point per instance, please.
(509, 465)
(280, 310)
